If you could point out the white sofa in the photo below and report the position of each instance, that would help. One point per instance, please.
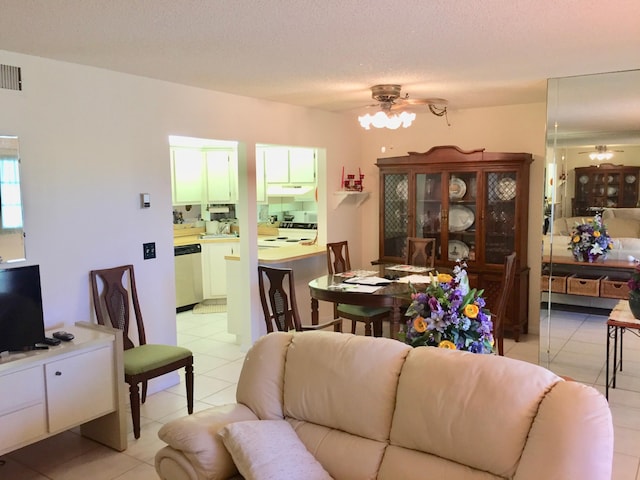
(375, 408)
(623, 226)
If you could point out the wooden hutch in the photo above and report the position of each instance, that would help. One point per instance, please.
(474, 203)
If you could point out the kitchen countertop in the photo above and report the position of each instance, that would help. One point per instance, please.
(285, 254)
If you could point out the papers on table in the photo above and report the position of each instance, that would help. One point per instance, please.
(409, 268)
(354, 287)
(356, 273)
(415, 279)
(368, 280)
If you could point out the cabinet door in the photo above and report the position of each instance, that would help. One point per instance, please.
(302, 165)
(461, 224)
(221, 176)
(80, 388)
(394, 224)
(429, 209)
(214, 281)
(261, 189)
(276, 164)
(501, 200)
(187, 172)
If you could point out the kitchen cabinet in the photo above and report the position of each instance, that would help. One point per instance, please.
(187, 173)
(604, 186)
(222, 176)
(290, 165)
(214, 277)
(72, 384)
(473, 203)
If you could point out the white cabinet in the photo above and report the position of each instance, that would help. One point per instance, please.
(222, 176)
(290, 165)
(77, 390)
(187, 172)
(76, 383)
(261, 187)
(214, 266)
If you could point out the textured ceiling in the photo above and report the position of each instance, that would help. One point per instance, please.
(326, 54)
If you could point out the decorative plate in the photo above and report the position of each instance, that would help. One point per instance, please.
(457, 188)
(630, 178)
(584, 179)
(460, 218)
(612, 191)
(402, 190)
(506, 189)
(458, 250)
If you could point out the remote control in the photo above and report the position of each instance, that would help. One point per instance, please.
(51, 341)
(64, 336)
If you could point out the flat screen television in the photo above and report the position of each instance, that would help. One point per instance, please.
(21, 316)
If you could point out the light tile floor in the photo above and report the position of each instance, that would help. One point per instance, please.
(577, 342)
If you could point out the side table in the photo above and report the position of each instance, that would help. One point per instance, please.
(620, 319)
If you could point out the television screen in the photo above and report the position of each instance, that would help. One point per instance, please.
(21, 316)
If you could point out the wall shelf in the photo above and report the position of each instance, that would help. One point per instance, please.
(342, 195)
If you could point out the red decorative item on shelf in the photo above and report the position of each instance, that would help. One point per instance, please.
(350, 183)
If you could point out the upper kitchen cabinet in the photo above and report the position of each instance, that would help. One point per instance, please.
(290, 165)
(187, 172)
(222, 176)
(473, 203)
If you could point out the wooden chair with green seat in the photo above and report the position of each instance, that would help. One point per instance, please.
(338, 262)
(421, 252)
(114, 292)
(278, 299)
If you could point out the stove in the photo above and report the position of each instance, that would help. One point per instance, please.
(291, 233)
(298, 226)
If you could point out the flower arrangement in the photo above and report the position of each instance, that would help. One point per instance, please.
(448, 314)
(590, 240)
(634, 281)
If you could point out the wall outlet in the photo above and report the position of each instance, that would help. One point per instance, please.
(148, 250)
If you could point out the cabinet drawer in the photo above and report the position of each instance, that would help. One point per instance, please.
(80, 388)
(584, 285)
(22, 426)
(611, 287)
(26, 389)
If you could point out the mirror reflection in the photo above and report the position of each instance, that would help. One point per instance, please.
(592, 169)
(11, 219)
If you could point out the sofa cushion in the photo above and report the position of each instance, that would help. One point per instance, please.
(629, 213)
(475, 410)
(622, 227)
(270, 449)
(343, 381)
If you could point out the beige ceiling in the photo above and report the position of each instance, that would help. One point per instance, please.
(327, 53)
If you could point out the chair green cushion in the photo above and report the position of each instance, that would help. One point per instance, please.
(362, 311)
(150, 356)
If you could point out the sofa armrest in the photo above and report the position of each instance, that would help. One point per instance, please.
(195, 437)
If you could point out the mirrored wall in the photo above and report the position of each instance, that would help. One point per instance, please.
(593, 135)
(11, 218)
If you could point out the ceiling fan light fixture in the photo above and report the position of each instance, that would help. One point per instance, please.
(382, 119)
(601, 153)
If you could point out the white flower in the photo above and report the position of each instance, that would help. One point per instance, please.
(596, 249)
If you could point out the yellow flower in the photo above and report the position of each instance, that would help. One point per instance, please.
(447, 344)
(576, 239)
(596, 234)
(444, 277)
(419, 325)
(471, 310)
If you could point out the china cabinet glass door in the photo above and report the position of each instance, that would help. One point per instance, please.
(429, 208)
(461, 216)
(395, 218)
(500, 216)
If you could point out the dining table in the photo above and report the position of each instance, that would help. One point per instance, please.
(395, 295)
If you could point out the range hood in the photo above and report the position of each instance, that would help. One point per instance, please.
(289, 190)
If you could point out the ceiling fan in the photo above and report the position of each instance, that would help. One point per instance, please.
(390, 100)
(601, 153)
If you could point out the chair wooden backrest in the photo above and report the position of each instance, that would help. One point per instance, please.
(278, 299)
(498, 317)
(113, 302)
(421, 252)
(338, 257)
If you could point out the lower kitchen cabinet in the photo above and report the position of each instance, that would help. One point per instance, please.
(214, 267)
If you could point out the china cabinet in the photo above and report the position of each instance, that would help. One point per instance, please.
(604, 185)
(473, 203)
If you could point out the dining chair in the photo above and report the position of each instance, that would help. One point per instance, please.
(338, 262)
(421, 252)
(499, 316)
(114, 293)
(278, 299)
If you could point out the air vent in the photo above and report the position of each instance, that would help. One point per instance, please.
(10, 77)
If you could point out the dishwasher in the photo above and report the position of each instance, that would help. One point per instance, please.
(188, 267)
